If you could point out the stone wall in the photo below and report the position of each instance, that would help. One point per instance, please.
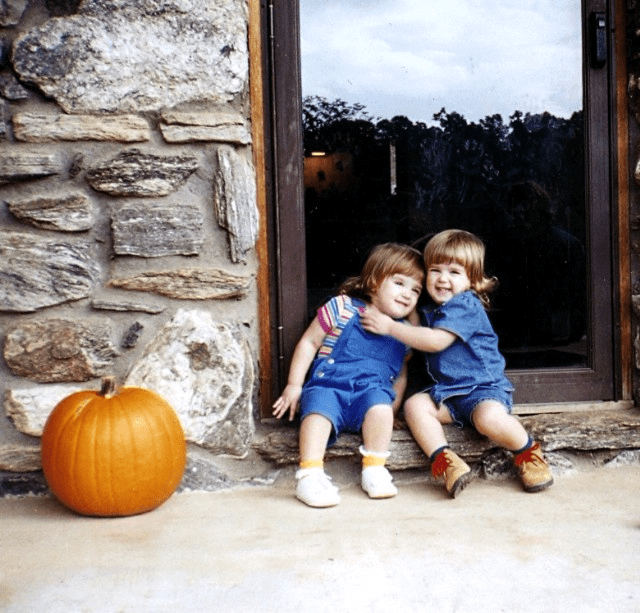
(128, 216)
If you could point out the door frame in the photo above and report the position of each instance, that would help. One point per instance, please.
(284, 276)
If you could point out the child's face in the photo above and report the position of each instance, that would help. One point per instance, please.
(397, 295)
(444, 281)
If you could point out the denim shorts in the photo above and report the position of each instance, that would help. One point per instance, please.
(461, 408)
(345, 410)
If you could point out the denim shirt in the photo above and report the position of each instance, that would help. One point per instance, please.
(473, 359)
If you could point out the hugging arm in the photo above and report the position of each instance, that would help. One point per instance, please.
(421, 338)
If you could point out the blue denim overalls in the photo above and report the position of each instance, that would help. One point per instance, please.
(358, 374)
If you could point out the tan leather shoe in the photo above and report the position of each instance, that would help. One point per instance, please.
(533, 469)
(455, 471)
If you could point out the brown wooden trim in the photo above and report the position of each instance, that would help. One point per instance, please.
(601, 380)
(288, 190)
(625, 349)
(256, 84)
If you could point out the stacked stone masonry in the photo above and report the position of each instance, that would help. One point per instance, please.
(129, 217)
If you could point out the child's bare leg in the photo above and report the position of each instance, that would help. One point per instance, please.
(315, 430)
(376, 436)
(425, 421)
(377, 428)
(490, 419)
(314, 486)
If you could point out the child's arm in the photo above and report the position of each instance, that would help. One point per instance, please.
(421, 338)
(303, 356)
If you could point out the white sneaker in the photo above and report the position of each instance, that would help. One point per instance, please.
(315, 488)
(377, 482)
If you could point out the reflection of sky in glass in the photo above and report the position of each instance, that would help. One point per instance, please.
(475, 57)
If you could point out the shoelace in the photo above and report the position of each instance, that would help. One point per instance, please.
(530, 455)
(440, 465)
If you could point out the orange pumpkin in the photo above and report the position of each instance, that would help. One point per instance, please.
(112, 453)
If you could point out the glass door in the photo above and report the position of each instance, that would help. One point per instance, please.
(421, 115)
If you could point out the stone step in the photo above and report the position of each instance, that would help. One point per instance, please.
(586, 431)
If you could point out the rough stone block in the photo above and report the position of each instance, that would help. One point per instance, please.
(235, 201)
(29, 408)
(64, 212)
(19, 458)
(157, 230)
(138, 55)
(11, 89)
(26, 165)
(37, 272)
(204, 369)
(11, 12)
(57, 350)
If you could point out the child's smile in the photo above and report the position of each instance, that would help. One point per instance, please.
(444, 281)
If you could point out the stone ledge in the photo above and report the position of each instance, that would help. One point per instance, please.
(585, 431)
(22, 484)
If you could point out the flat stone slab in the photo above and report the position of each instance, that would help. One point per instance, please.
(157, 230)
(187, 284)
(580, 431)
(133, 173)
(49, 127)
(67, 212)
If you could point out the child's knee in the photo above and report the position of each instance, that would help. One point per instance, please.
(417, 404)
(380, 411)
(490, 417)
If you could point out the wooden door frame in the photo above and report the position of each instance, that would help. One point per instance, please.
(278, 154)
(276, 112)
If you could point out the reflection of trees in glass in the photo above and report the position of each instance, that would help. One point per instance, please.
(454, 173)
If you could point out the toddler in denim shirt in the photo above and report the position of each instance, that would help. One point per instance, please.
(461, 356)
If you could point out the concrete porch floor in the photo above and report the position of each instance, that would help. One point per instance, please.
(574, 547)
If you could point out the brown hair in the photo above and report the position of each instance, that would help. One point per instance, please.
(383, 261)
(468, 251)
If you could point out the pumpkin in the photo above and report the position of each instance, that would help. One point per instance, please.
(113, 453)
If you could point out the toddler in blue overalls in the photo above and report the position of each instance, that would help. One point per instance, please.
(462, 357)
(355, 379)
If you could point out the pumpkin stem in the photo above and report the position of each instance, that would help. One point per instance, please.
(108, 388)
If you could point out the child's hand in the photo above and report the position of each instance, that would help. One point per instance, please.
(288, 401)
(373, 320)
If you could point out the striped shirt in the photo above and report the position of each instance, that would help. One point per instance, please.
(333, 317)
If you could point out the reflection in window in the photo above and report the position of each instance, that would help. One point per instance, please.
(514, 174)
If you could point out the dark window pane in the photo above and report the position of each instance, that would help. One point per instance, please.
(515, 180)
